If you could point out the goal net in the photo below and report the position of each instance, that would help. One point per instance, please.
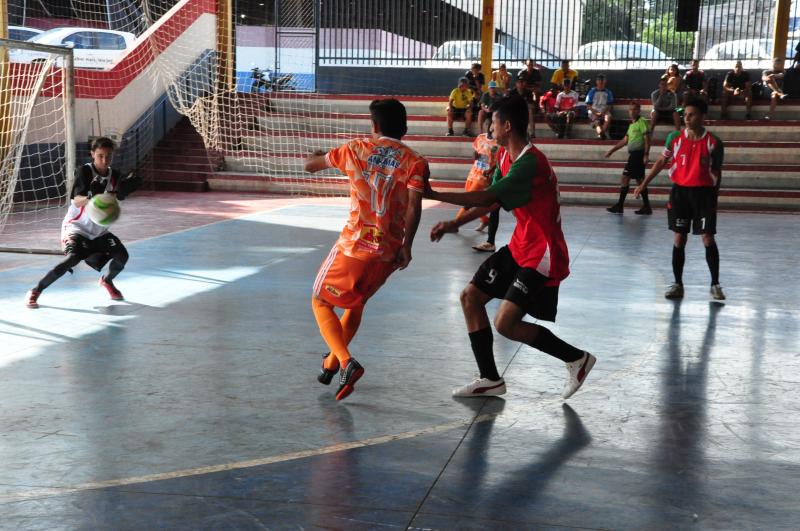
(37, 156)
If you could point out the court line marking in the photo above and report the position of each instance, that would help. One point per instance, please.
(47, 492)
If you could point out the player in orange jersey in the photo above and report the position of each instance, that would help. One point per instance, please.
(480, 174)
(387, 179)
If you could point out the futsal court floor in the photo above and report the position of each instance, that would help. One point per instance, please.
(194, 403)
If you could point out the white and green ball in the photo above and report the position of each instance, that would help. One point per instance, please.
(103, 209)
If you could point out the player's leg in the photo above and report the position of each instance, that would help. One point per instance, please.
(646, 208)
(109, 248)
(490, 281)
(494, 223)
(624, 188)
(705, 224)
(70, 261)
(679, 216)
(528, 294)
(350, 321)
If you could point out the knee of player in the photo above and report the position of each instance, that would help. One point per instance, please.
(469, 296)
(121, 256)
(504, 324)
(708, 239)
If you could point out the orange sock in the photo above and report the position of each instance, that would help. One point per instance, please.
(331, 330)
(460, 212)
(351, 320)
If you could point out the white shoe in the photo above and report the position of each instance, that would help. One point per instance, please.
(716, 293)
(481, 226)
(485, 247)
(577, 371)
(482, 387)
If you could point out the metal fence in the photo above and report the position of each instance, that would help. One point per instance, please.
(594, 34)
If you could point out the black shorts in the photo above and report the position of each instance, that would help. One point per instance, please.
(635, 167)
(97, 252)
(459, 114)
(502, 278)
(694, 207)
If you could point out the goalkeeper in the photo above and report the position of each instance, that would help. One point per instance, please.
(81, 238)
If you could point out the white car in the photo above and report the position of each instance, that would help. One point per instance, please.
(754, 53)
(22, 33)
(620, 55)
(92, 47)
(462, 54)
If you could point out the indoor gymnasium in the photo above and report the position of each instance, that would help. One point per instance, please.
(425, 265)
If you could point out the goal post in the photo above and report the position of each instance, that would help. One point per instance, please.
(37, 143)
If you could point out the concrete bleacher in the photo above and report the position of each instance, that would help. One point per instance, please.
(762, 158)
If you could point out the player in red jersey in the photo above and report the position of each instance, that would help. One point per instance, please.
(527, 272)
(694, 156)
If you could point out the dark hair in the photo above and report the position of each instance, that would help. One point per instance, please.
(390, 116)
(601, 77)
(102, 142)
(513, 109)
(476, 65)
(698, 104)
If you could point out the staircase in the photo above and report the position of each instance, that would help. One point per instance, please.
(761, 170)
(180, 162)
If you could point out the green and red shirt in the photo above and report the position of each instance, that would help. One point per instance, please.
(691, 161)
(529, 187)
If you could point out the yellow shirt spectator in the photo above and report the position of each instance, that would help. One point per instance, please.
(461, 99)
(558, 76)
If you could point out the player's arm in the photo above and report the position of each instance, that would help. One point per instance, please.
(619, 145)
(317, 161)
(716, 164)
(413, 215)
(654, 171)
(81, 187)
(646, 147)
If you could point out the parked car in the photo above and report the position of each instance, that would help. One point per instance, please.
(92, 47)
(754, 53)
(620, 55)
(22, 33)
(461, 55)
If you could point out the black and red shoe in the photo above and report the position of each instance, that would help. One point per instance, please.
(348, 377)
(326, 375)
(111, 289)
(33, 298)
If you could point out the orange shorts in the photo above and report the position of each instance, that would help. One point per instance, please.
(347, 282)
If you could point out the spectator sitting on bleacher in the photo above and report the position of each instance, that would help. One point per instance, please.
(532, 77)
(563, 73)
(773, 79)
(520, 89)
(566, 101)
(665, 103)
(503, 79)
(488, 99)
(673, 77)
(547, 104)
(736, 85)
(695, 83)
(475, 79)
(460, 107)
(599, 102)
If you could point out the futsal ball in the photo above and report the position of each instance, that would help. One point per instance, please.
(103, 209)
